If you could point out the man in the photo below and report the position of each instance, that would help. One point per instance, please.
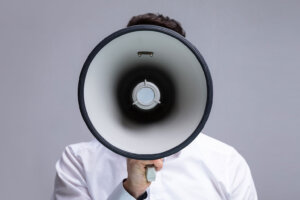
(205, 169)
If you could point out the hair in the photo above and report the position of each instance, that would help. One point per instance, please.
(157, 19)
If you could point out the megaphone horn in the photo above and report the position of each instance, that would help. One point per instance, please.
(145, 92)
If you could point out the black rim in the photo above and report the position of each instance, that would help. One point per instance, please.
(82, 81)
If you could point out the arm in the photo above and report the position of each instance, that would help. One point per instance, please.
(70, 181)
(120, 193)
(241, 181)
(134, 187)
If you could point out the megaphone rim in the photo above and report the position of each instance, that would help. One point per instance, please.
(108, 39)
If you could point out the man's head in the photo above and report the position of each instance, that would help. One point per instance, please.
(157, 19)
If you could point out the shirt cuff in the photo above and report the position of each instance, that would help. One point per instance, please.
(120, 193)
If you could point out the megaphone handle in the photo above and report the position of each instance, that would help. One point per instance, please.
(150, 173)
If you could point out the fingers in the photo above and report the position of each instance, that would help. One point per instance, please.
(158, 164)
(143, 163)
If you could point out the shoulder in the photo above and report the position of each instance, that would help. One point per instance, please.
(91, 148)
(207, 145)
(81, 147)
(223, 162)
(218, 157)
(220, 149)
(229, 166)
(86, 155)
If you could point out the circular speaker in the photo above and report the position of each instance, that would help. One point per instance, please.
(145, 92)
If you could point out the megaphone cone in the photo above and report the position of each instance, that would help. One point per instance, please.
(145, 92)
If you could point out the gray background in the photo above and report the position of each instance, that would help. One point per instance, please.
(251, 47)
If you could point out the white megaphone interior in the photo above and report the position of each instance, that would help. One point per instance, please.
(181, 65)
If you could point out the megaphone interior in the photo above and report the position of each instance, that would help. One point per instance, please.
(145, 92)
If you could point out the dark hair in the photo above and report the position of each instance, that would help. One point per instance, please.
(157, 19)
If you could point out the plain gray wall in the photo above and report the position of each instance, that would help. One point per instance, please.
(252, 49)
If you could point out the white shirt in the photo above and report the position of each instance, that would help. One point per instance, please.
(207, 169)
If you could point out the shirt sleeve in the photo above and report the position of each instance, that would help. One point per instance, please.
(120, 193)
(70, 181)
(241, 181)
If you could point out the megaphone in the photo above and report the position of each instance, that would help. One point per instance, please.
(145, 92)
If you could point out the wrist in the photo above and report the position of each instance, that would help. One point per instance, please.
(133, 191)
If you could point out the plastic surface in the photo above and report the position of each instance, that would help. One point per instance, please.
(150, 173)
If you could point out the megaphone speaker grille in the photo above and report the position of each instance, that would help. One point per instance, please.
(133, 77)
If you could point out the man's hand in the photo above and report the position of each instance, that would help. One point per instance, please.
(136, 183)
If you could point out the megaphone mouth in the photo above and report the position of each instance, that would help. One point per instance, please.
(127, 58)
